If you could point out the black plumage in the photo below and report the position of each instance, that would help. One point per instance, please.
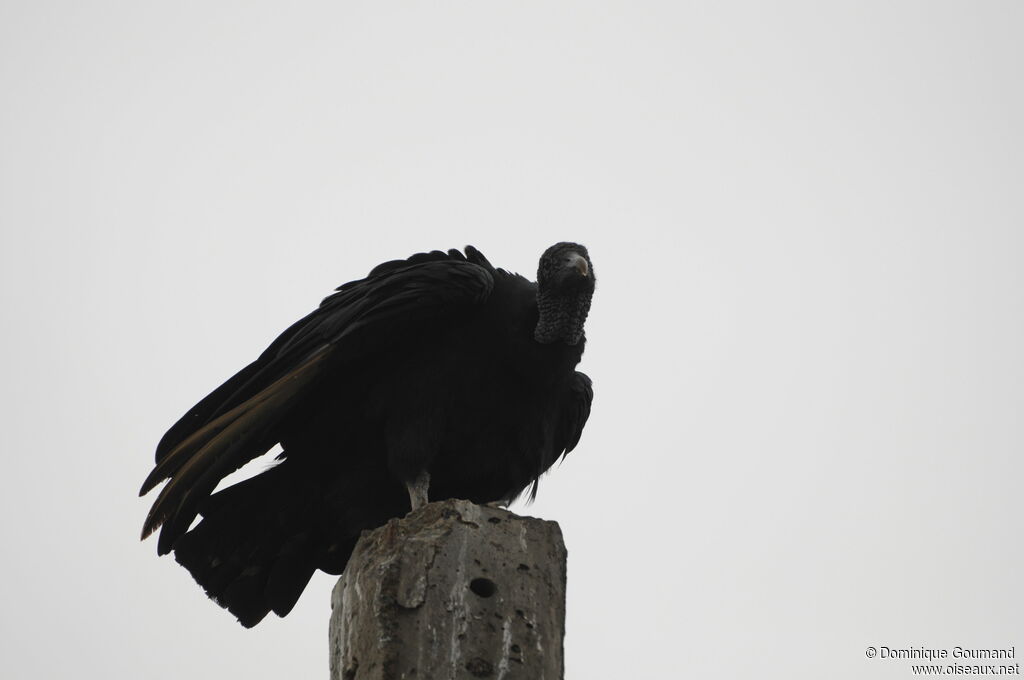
(437, 376)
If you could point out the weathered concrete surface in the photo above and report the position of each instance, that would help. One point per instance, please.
(454, 590)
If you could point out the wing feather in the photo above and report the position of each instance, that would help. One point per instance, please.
(571, 420)
(214, 452)
(576, 412)
(239, 420)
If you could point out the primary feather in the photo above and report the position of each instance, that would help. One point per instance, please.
(439, 364)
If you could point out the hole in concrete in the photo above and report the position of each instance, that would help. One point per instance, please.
(494, 520)
(484, 587)
(523, 567)
(479, 668)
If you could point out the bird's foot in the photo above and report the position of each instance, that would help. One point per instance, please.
(500, 505)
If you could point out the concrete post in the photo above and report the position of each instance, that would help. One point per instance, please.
(454, 590)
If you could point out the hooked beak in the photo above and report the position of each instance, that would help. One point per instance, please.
(579, 263)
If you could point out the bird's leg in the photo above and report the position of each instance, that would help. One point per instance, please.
(418, 490)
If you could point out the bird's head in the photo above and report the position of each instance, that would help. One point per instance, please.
(565, 284)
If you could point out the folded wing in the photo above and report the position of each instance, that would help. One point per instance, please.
(241, 419)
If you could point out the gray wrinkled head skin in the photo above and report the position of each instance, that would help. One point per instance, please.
(565, 285)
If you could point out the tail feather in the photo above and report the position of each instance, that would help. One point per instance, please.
(255, 551)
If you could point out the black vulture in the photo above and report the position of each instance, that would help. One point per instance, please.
(434, 377)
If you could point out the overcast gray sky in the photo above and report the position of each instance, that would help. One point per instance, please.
(807, 224)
